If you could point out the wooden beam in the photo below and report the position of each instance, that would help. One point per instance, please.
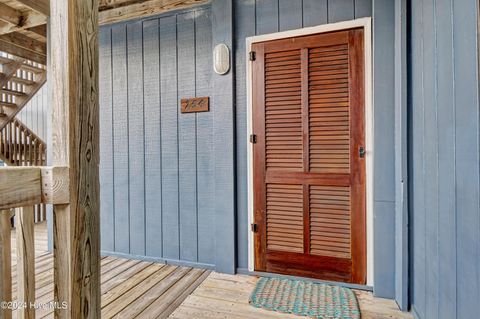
(111, 12)
(38, 33)
(40, 30)
(145, 8)
(5, 263)
(9, 70)
(109, 4)
(25, 47)
(25, 186)
(25, 261)
(75, 134)
(18, 20)
(20, 186)
(41, 6)
(121, 10)
(55, 185)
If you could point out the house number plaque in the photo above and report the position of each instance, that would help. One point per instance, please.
(195, 104)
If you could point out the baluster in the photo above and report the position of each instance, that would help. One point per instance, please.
(22, 153)
(1, 142)
(35, 152)
(40, 153)
(19, 145)
(4, 140)
(15, 144)
(5, 262)
(10, 142)
(25, 149)
(30, 148)
(25, 261)
(18, 156)
(21, 142)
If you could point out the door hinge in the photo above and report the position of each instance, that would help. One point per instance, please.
(253, 138)
(254, 227)
(252, 56)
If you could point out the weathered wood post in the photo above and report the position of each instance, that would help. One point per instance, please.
(75, 135)
(25, 221)
(5, 263)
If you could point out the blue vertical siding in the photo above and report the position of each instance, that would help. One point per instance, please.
(169, 127)
(157, 168)
(153, 141)
(106, 171)
(340, 10)
(187, 123)
(384, 147)
(401, 157)
(36, 112)
(444, 168)
(224, 143)
(120, 139)
(205, 137)
(136, 134)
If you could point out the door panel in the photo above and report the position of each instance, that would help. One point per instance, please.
(309, 174)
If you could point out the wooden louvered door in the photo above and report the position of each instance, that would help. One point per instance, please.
(309, 166)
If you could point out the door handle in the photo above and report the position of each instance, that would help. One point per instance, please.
(361, 151)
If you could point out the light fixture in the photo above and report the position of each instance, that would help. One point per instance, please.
(221, 59)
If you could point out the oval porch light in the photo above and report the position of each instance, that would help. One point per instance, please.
(221, 59)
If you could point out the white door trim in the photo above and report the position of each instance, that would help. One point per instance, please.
(364, 23)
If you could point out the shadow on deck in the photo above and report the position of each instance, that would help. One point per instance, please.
(139, 289)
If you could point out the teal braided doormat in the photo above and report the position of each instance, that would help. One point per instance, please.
(305, 298)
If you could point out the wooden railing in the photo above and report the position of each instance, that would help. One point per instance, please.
(20, 189)
(19, 146)
(25, 291)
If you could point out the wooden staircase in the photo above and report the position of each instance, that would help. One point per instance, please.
(20, 79)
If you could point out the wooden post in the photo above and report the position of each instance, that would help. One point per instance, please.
(5, 263)
(75, 136)
(25, 262)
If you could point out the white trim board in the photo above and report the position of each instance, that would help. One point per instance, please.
(364, 23)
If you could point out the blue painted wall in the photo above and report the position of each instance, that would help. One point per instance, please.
(444, 164)
(174, 186)
(35, 114)
(157, 165)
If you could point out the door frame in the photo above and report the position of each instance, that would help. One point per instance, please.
(364, 23)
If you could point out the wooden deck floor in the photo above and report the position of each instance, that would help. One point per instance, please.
(226, 297)
(137, 289)
(130, 288)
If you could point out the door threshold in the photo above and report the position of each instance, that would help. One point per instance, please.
(244, 271)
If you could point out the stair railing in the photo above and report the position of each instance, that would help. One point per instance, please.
(19, 146)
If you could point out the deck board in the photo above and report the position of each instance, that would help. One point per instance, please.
(129, 287)
(141, 289)
(226, 296)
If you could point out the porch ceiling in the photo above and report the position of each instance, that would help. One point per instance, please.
(23, 30)
(112, 11)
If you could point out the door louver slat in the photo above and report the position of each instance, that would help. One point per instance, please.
(284, 210)
(283, 114)
(330, 221)
(329, 112)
